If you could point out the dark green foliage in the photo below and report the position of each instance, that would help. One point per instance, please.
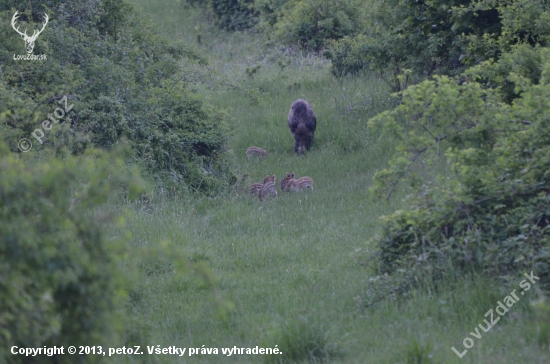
(438, 37)
(486, 131)
(491, 211)
(387, 44)
(445, 23)
(58, 275)
(518, 22)
(270, 11)
(352, 54)
(522, 59)
(391, 42)
(126, 84)
(18, 117)
(310, 24)
(349, 55)
(234, 14)
(113, 18)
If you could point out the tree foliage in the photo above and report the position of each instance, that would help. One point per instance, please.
(127, 85)
(479, 122)
(270, 12)
(490, 210)
(310, 24)
(234, 14)
(386, 44)
(441, 37)
(59, 279)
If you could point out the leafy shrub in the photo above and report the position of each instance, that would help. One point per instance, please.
(310, 24)
(439, 37)
(348, 55)
(234, 14)
(18, 117)
(511, 23)
(387, 45)
(126, 84)
(58, 276)
(270, 12)
(522, 59)
(490, 208)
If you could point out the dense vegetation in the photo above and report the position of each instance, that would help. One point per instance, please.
(457, 160)
(111, 98)
(58, 274)
(483, 121)
(127, 84)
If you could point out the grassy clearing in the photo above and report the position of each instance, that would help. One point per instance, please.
(290, 266)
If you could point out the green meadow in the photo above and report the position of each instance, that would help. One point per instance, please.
(293, 271)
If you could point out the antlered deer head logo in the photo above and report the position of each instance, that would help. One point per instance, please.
(29, 41)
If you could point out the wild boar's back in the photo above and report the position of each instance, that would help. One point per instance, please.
(301, 112)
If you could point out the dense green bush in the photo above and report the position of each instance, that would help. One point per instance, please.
(473, 149)
(352, 54)
(387, 44)
(522, 59)
(349, 55)
(310, 24)
(439, 37)
(519, 21)
(18, 116)
(59, 279)
(269, 12)
(234, 14)
(391, 42)
(490, 209)
(126, 83)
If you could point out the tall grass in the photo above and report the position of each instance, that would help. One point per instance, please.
(290, 266)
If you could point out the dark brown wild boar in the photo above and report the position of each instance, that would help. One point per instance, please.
(302, 123)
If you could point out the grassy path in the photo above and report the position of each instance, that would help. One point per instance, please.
(290, 266)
